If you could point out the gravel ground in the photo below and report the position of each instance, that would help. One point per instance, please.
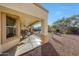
(61, 44)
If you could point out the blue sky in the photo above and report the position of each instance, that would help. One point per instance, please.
(58, 10)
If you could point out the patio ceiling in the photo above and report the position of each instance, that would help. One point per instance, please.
(27, 8)
(26, 19)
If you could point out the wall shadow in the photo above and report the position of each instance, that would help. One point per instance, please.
(48, 50)
(44, 50)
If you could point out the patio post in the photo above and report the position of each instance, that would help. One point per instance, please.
(18, 27)
(0, 34)
(3, 27)
(44, 31)
(0, 27)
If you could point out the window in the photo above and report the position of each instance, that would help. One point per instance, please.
(10, 27)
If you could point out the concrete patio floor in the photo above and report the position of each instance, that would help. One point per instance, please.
(25, 45)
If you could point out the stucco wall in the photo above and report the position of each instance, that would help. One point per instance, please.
(9, 44)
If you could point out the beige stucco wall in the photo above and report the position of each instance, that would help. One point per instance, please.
(10, 44)
(27, 8)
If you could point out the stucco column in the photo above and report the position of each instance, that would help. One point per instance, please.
(44, 31)
(0, 35)
(18, 27)
(3, 28)
(0, 27)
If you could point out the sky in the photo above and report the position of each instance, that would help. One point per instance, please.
(59, 10)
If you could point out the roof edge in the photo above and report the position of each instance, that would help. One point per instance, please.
(40, 7)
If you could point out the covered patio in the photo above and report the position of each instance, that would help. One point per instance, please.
(24, 15)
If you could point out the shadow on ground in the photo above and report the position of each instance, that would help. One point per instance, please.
(44, 50)
(48, 50)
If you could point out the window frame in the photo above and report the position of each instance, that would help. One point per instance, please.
(10, 26)
(4, 39)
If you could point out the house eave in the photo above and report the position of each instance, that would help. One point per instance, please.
(36, 4)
